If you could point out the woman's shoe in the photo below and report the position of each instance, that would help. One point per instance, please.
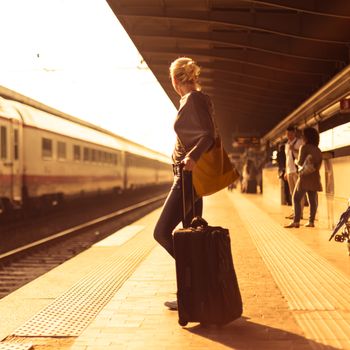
(309, 224)
(292, 225)
(172, 305)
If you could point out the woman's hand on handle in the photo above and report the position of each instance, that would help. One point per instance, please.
(189, 164)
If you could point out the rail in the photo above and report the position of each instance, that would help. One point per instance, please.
(21, 250)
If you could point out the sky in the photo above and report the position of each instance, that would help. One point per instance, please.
(75, 56)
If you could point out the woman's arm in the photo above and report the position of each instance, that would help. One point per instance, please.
(302, 155)
(196, 127)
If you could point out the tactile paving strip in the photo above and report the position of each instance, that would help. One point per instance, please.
(72, 312)
(313, 288)
(326, 327)
(120, 237)
(15, 346)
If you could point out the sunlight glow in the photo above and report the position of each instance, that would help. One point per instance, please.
(75, 56)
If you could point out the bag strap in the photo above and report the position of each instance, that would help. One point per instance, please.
(223, 154)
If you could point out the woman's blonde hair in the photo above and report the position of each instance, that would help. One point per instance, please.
(185, 70)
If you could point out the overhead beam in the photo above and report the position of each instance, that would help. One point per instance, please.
(247, 103)
(299, 9)
(242, 53)
(225, 83)
(230, 95)
(232, 122)
(282, 101)
(270, 23)
(259, 44)
(239, 115)
(216, 55)
(159, 65)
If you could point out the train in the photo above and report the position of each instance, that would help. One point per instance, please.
(47, 157)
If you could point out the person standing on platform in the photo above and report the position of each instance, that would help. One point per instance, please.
(195, 131)
(291, 175)
(281, 162)
(309, 181)
(249, 174)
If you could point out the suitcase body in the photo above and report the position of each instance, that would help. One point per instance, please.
(207, 287)
(208, 291)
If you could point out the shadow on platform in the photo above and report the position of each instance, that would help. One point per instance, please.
(245, 335)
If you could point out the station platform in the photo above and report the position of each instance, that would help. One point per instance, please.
(295, 287)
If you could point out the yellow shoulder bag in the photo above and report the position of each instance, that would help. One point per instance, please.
(213, 171)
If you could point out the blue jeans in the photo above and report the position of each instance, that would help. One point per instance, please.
(298, 196)
(172, 215)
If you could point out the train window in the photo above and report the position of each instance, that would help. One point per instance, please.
(3, 140)
(86, 154)
(104, 157)
(115, 159)
(99, 156)
(46, 146)
(15, 143)
(61, 150)
(93, 155)
(76, 152)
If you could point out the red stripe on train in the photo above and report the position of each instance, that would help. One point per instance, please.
(44, 179)
(5, 179)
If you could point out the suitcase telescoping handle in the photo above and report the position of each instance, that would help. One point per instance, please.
(188, 199)
(189, 218)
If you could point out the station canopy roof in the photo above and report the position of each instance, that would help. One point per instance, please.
(260, 59)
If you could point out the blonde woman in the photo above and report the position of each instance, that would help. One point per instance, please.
(195, 134)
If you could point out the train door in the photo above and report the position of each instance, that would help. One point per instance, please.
(16, 159)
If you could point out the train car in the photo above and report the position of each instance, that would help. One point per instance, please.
(11, 157)
(46, 158)
(143, 167)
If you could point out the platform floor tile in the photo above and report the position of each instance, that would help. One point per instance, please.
(136, 318)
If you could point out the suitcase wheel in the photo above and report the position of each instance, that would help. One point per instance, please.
(182, 323)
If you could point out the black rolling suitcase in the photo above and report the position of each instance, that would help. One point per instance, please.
(207, 285)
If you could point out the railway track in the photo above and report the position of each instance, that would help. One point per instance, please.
(37, 225)
(21, 265)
